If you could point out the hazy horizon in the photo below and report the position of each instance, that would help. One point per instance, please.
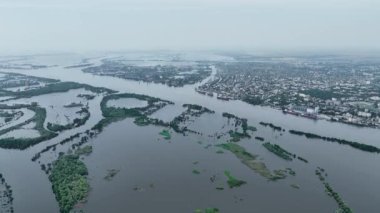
(115, 25)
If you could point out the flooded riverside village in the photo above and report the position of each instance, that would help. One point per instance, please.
(123, 132)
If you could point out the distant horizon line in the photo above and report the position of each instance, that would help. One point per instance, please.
(247, 51)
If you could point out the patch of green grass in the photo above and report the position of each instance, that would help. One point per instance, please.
(196, 172)
(142, 121)
(207, 210)
(166, 134)
(232, 181)
(251, 161)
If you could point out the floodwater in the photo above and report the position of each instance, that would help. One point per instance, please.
(56, 111)
(156, 174)
(127, 103)
(27, 114)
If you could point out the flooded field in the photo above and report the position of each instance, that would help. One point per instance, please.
(180, 164)
(127, 103)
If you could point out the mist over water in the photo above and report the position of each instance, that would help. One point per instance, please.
(256, 25)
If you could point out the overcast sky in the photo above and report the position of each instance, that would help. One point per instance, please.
(86, 25)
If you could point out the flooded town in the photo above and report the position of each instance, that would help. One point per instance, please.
(189, 106)
(90, 142)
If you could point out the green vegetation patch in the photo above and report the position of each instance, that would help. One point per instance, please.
(343, 207)
(259, 138)
(113, 114)
(252, 128)
(52, 86)
(232, 181)
(279, 151)
(142, 121)
(69, 181)
(109, 111)
(77, 122)
(6, 196)
(73, 105)
(199, 108)
(111, 173)
(57, 87)
(302, 159)
(86, 96)
(166, 134)
(236, 136)
(251, 161)
(239, 122)
(274, 127)
(207, 210)
(196, 172)
(322, 94)
(356, 145)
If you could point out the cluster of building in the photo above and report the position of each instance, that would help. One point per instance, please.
(171, 75)
(318, 88)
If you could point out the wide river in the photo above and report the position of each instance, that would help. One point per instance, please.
(352, 173)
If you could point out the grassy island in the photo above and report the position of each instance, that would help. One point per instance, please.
(166, 134)
(112, 114)
(251, 161)
(279, 151)
(356, 145)
(69, 181)
(274, 127)
(233, 181)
